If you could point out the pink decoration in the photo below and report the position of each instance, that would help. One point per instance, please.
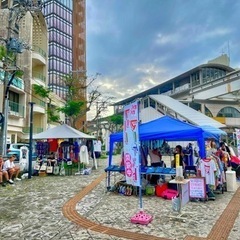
(141, 218)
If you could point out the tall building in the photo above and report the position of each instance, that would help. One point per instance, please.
(66, 22)
(58, 15)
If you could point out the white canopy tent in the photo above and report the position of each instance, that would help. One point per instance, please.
(62, 131)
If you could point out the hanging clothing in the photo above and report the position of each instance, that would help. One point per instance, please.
(84, 156)
(208, 169)
(76, 150)
(53, 145)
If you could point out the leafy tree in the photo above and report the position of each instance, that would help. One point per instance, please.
(76, 105)
(45, 93)
(116, 122)
(3, 52)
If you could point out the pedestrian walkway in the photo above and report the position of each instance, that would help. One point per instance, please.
(78, 207)
(227, 219)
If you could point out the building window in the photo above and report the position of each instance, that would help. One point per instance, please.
(212, 73)
(152, 103)
(145, 103)
(208, 112)
(229, 112)
(195, 79)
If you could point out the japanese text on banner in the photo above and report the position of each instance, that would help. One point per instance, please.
(131, 144)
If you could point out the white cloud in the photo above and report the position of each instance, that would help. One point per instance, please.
(164, 38)
(205, 34)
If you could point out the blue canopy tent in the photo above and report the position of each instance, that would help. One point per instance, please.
(169, 129)
(212, 132)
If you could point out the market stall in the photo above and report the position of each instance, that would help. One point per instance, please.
(168, 129)
(59, 145)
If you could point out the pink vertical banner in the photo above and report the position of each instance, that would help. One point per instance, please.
(238, 141)
(131, 143)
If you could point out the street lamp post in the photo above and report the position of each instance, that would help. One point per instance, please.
(30, 141)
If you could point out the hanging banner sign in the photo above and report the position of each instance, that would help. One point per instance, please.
(238, 141)
(131, 144)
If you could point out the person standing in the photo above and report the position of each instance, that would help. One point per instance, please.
(178, 157)
(97, 146)
(12, 170)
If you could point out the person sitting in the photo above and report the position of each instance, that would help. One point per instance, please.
(3, 174)
(13, 171)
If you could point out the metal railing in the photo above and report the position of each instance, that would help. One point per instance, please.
(16, 109)
(39, 102)
(35, 129)
(39, 50)
(39, 76)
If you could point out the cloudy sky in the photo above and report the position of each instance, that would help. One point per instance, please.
(137, 44)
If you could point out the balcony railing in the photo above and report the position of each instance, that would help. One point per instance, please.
(39, 76)
(40, 51)
(39, 102)
(16, 109)
(17, 82)
(35, 130)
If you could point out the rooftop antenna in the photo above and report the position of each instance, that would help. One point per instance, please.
(229, 52)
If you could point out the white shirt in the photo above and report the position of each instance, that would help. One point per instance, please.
(8, 164)
(208, 168)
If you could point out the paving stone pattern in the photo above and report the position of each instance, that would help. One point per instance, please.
(33, 209)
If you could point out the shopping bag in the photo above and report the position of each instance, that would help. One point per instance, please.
(49, 169)
(69, 163)
(36, 167)
(56, 170)
(43, 168)
(62, 170)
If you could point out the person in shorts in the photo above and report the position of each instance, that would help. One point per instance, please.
(13, 171)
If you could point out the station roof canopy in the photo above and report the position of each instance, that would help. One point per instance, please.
(187, 113)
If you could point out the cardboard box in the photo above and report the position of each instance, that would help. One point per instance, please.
(42, 174)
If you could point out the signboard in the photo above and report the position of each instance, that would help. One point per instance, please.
(197, 187)
(131, 144)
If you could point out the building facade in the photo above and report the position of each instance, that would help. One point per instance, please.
(212, 89)
(33, 61)
(51, 35)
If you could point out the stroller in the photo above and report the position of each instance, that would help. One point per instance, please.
(235, 164)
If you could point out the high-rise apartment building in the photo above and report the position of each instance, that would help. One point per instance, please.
(58, 15)
(66, 22)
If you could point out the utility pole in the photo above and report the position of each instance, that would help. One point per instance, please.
(13, 47)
